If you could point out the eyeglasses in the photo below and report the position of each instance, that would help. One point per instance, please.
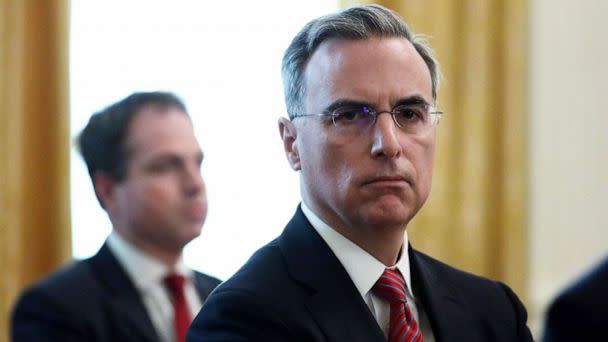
(413, 118)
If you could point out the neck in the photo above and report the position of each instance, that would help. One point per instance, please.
(382, 241)
(383, 244)
(167, 256)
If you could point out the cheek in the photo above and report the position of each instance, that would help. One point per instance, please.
(345, 175)
(328, 164)
(338, 165)
(155, 195)
(426, 158)
(131, 204)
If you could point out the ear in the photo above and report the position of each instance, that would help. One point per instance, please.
(104, 186)
(288, 135)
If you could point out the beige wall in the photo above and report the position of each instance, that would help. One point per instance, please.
(568, 144)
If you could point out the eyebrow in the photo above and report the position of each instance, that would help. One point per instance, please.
(169, 155)
(409, 100)
(412, 100)
(344, 103)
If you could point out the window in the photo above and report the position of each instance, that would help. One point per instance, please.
(215, 56)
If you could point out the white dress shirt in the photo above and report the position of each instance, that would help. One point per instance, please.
(147, 275)
(365, 270)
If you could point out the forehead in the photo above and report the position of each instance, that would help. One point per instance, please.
(378, 70)
(157, 129)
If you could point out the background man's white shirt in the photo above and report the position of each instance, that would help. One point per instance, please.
(147, 275)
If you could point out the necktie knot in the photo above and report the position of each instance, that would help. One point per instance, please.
(391, 287)
(402, 326)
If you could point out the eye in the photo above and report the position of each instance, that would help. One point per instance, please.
(163, 165)
(410, 113)
(350, 113)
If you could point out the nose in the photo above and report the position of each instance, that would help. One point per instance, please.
(385, 137)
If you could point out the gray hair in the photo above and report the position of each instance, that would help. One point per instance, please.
(354, 23)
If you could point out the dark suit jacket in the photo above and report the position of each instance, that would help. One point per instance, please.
(89, 300)
(580, 313)
(295, 289)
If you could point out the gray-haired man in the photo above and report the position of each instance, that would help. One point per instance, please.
(343, 270)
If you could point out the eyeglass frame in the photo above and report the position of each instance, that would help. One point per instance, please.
(416, 100)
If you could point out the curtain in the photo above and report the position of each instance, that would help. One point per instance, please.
(34, 145)
(476, 216)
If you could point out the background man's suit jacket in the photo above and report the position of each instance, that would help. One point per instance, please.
(90, 300)
(295, 289)
(580, 313)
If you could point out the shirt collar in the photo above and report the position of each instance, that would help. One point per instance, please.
(363, 268)
(144, 270)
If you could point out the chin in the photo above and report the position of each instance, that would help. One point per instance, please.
(190, 234)
(399, 221)
(388, 215)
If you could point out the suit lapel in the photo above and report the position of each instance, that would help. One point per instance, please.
(127, 310)
(335, 303)
(442, 303)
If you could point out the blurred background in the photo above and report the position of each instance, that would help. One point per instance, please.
(519, 193)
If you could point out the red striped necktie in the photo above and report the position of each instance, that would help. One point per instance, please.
(403, 326)
(175, 285)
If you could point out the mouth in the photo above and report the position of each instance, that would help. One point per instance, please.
(388, 180)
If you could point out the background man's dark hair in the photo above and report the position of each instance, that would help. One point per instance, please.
(102, 143)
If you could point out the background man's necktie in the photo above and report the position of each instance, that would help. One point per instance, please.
(175, 285)
(402, 326)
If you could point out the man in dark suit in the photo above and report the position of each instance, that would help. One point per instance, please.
(580, 313)
(360, 90)
(144, 161)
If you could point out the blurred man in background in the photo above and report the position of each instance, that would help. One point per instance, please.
(580, 313)
(144, 161)
(361, 91)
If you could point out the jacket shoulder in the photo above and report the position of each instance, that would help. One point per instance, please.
(459, 279)
(250, 305)
(491, 303)
(54, 306)
(264, 270)
(581, 310)
(74, 282)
